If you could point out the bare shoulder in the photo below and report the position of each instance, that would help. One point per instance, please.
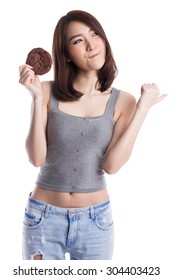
(126, 105)
(126, 98)
(126, 101)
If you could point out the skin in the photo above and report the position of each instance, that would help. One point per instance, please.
(87, 50)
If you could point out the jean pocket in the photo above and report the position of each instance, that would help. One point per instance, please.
(33, 218)
(103, 219)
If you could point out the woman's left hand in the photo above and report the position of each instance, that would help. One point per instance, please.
(150, 95)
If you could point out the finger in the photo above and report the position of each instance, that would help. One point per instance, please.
(149, 86)
(28, 74)
(144, 87)
(27, 81)
(163, 96)
(23, 79)
(25, 66)
(155, 85)
(25, 72)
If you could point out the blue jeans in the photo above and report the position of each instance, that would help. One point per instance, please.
(50, 231)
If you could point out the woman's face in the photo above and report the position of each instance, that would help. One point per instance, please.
(85, 48)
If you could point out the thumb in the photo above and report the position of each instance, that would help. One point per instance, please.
(163, 96)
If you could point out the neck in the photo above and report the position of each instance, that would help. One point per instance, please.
(86, 83)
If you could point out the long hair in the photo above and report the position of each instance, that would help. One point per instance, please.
(65, 72)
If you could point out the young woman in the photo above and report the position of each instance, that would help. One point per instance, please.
(81, 127)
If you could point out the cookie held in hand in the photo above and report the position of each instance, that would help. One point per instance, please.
(40, 60)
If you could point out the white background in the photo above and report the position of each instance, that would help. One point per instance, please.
(141, 193)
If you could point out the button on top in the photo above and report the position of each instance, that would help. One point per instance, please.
(73, 212)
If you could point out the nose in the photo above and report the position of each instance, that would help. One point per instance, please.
(90, 45)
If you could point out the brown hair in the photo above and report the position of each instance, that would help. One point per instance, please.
(65, 72)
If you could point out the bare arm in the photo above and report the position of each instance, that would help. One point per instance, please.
(128, 126)
(36, 145)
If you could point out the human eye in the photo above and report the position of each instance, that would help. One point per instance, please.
(77, 41)
(94, 33)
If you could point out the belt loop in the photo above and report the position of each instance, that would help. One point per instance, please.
(91, 212)
(46, 211)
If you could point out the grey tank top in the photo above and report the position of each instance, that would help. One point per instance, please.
(76, 148)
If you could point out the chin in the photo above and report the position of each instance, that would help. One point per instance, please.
(98, 67)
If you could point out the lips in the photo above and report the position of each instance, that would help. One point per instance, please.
(94, 55)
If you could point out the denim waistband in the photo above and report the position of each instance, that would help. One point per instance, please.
(34, 203)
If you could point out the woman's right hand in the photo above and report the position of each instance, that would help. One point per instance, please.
(30, 80)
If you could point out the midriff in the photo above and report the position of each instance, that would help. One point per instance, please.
(70, 200)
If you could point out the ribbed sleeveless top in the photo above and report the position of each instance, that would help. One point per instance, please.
(76, 148)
